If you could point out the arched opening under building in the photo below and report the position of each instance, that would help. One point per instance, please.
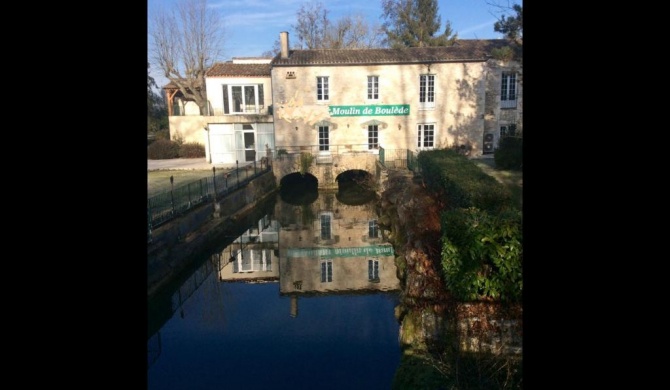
(298, 190)
(355, 187)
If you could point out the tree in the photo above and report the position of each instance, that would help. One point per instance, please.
(151, 95)
(316, 31)
(156, 108)
(414, 23)
(353, 32)
(511, 26)
(185, 44)
(312, 25)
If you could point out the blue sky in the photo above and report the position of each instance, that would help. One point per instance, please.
(252, 26)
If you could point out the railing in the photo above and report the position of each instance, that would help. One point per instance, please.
(332, 150)
(170, 204)
(397, 158)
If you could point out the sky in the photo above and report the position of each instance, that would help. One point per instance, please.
(252, 26)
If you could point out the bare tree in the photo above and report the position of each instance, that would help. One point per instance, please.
(316, 31)
(312, 25)
(185, 44)
(276, 49)
(353, 32)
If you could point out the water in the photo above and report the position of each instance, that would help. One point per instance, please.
(302, 299)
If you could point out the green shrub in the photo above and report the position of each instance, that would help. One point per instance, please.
(191, 150)
(162, 149)
(162, 134)
(482, 254)
(509, 153)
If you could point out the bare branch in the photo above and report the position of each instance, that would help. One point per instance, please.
(186, 42)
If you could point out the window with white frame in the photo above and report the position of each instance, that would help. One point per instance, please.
(373, 136)
(324, 139)
(373, 269)
(508, 90)
(326, 271)
(373, 87)
(373, 229)
(425, 136)
(426, 91)
(322, 89)
(243, 99)
(326, 231)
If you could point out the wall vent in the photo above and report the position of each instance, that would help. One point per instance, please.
(290, 74)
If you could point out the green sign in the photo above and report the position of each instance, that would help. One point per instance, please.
(382, 250)
(372, 110)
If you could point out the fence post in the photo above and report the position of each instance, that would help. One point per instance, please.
(172, 194)
(149, 223)
(237, 163)
(217, 208)
(254, 167)
(214, 181)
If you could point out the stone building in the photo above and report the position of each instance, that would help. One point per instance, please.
(332, 102)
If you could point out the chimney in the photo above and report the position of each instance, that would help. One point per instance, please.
(283, 39)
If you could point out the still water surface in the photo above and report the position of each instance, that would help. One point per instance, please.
(303, 299)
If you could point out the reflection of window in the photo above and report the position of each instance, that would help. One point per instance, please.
(373, 87)
(426, 136)
(427, 91)
(242, 99)
(373, 229)
(326, 271)
(323, 138)
(265, 221)
(322, 89)
(373, 137)
(373, 269)
(325, 226)
(252, 260)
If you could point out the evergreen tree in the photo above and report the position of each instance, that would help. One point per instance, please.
(414, 23)
(511, 26)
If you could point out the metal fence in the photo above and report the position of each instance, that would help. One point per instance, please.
(168, 205)
(397, 158)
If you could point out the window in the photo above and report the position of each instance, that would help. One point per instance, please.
(426, 137)
(373, 270)
(373, 137)
(508, 91)
(326, 271)
(427, 91)
(507, 131)
(324, 143)
(373, 87)
(373, 229)
(322, 89)
(243, 99)
(325, 226)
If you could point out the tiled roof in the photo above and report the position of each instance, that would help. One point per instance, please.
(234, 70)
(463, 50)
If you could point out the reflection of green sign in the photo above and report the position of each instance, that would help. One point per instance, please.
(385, 250)
(373, 110)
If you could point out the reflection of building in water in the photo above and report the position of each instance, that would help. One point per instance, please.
(253, 255)
(329, 246)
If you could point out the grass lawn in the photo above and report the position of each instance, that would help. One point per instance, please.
(159, 181)
(511, 179)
